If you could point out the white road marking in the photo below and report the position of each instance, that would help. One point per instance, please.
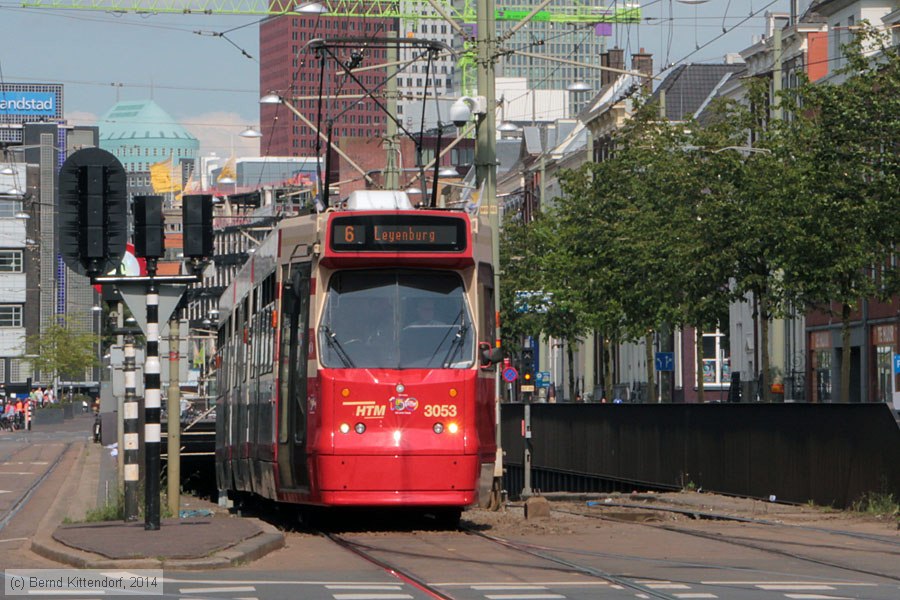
(790, 587)
(14, 540)
(372, 597)
(816, 597)
(216, 590)
(686, 596)
(18, 473)
(511, 586)
(362, 586)
(835, 583)
(667, 586)
(524, 596)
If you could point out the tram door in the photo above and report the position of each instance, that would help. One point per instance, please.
(292, 393)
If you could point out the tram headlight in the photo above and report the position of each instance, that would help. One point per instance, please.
(360, 428)
(452, 427)
(438, 428)
(344, 428)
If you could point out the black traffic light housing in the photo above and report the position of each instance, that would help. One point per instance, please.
(148, 227)
(196, 216)
(528, 366)
(93, 211)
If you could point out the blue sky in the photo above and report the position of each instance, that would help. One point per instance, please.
(208, 85)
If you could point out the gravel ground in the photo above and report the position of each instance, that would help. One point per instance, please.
(567, 514)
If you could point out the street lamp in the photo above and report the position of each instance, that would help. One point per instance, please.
(250, 132)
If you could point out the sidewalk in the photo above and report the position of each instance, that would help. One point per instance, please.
(217, 541)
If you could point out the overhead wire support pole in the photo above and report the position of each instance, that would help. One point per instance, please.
(486, 177)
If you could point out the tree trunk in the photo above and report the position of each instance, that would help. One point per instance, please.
(607, 354)
(570, 357)
(651, 371)
(846, 353)
(698, 348)
(766, 392)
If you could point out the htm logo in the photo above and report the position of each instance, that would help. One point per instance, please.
(370, 411)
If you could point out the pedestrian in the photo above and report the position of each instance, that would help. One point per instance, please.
(551, 393)
(20, 412)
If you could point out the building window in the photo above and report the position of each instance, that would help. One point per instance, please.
(716, 359)
(883, 373)
(10, 315)
(9, 208)
(10, 261)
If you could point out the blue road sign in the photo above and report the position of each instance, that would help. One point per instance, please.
(542, 379)
(665, 361)
(510, 374)
(897, 363)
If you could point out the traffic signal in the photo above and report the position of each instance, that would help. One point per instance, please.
(528, 366)
(92, 211)
(196, 215)
(148, 227)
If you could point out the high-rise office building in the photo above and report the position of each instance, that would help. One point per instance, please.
(289, 68)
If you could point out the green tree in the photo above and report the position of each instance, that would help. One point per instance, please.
(848, 136)
(62, 351)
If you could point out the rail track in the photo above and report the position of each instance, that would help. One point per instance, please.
(762, 545)
(29, 490)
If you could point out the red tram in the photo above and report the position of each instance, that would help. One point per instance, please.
(356, 363)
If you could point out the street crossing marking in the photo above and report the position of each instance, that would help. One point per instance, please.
(793, 587)
(523, 596)
(372, 597)
(816, 597)
(362, 586)
(216, 590)
(511, 586)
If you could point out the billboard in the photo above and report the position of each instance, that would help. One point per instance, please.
(30, 102)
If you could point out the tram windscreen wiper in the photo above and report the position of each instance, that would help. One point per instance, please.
(457, 342)
(334, 344)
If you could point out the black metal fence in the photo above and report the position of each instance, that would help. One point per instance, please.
(831, 454)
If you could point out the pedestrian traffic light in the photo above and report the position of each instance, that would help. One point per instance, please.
(527, 366)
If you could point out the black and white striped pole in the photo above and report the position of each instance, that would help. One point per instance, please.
(152, 404)
(130, 437)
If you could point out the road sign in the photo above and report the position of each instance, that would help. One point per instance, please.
(131, 266)
(135, 296)
(510, 374)
(897, 363)
(665, 361)
(93, 211)
(533, 301)
(542, 379)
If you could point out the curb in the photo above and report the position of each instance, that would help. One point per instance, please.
(43, 544)
(245, 551)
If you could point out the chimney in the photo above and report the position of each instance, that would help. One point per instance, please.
(604, 74)
(643, 62)
(616, 61)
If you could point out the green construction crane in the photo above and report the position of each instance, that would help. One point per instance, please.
(410, 9)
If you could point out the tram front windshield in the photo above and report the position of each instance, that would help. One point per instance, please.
(396, 319)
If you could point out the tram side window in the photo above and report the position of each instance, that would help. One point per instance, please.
(288, 300)
(487, 325)
(222, 343)
(267, 333)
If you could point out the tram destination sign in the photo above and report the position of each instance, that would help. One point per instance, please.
(398, 233)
